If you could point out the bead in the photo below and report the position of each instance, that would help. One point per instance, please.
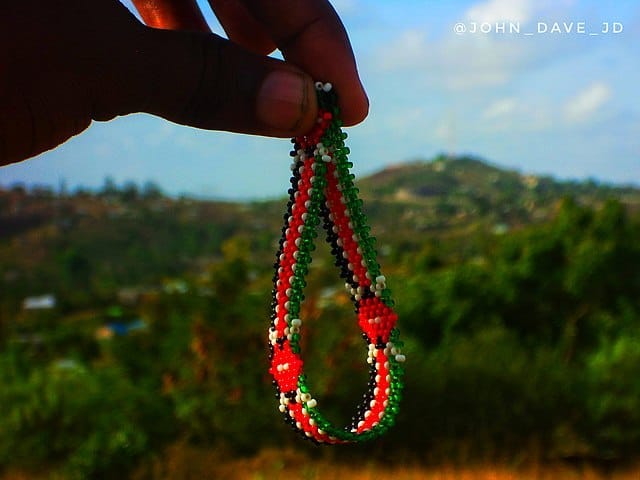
(322, 192)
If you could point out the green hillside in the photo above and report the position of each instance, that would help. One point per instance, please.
(133, 325)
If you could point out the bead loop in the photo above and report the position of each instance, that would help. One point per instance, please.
(323, 193)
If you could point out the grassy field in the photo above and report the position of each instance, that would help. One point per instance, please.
(185, 463)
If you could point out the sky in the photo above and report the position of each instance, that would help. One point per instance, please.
(540, 86)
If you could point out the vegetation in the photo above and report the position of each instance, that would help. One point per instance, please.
(518, 299)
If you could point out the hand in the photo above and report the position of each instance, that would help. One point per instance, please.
(64, 64)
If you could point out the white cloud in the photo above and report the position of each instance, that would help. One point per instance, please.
(454, 62)
(522, 11)
(585, 104)
(344, 7)
(500, 108)
(492, 11)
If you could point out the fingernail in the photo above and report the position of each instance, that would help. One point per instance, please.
(282, 100)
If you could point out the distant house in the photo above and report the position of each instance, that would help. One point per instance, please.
(41, 302)
(119, 329)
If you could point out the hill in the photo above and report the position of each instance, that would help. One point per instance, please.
(132, 235)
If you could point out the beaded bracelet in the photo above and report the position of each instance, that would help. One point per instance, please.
(322, 188)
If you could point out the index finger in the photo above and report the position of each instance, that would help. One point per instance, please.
(311, 36)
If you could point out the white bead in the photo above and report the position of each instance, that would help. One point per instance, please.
(361, 424)
(296, 322)
(319, 86)
(381, 279)
(282, 408)
(326, 158)
(400, 358)
(327, 87)
(312, 403)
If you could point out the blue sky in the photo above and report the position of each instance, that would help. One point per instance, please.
(558, 103)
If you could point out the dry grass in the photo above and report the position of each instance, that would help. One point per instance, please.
(182, 462)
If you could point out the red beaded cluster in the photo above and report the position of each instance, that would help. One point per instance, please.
(322, 192)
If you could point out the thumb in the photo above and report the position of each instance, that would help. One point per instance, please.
(202, 80)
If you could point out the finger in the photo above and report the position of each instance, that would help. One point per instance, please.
(205, 81)
(172, 14)
(311, 36)
(241, 27)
